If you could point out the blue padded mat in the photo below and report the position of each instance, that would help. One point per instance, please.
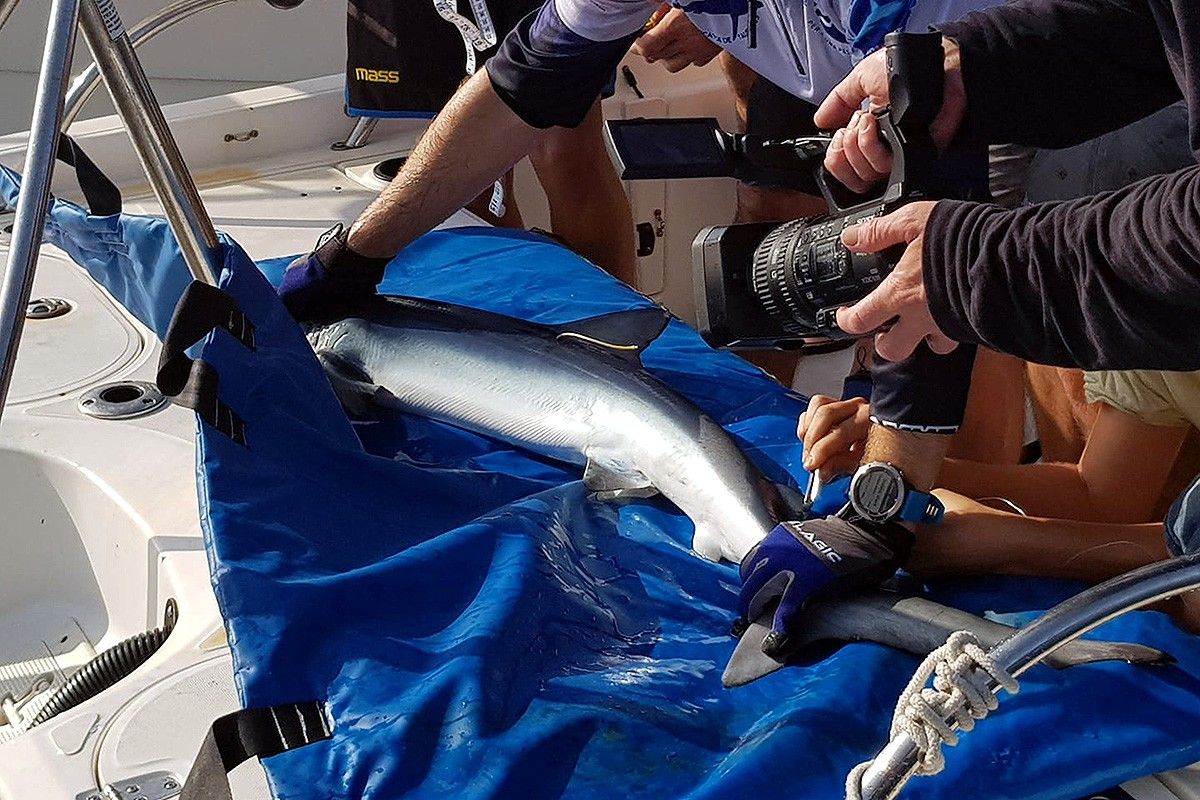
(477, 626)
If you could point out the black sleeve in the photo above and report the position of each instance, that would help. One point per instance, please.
(925, 393)
(1106, 282)
(1054, 73)
(548, 74)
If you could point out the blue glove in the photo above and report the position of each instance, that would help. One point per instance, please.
(329, 280)
(800, 561)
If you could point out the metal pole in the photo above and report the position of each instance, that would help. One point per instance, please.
(34, 198)
(85, 84)
(1067, 621)
(359, 135)
(151, 138)
(6, 9)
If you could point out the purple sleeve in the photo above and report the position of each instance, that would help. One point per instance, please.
(549, 74)
(1105, 282)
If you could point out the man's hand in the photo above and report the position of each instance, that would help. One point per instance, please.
(834, 432)
(898, 307)
(856, 156)
(330, 279)
(675, 41)
(798, 561)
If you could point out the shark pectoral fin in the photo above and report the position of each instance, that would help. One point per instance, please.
(609, 483)
(748, 662)
(624, 333)
(353, 388)
(709, 544)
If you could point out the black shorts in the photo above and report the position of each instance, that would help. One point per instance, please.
(405, 60)
(774, 113)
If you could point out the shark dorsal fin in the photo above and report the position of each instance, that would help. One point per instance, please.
(624, 333)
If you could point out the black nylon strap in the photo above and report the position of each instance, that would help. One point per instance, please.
(194, 383)
(252, 732)
(102, 195)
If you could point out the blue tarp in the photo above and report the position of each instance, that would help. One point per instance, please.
(479, 627)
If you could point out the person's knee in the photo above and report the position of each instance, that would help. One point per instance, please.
(570, 153)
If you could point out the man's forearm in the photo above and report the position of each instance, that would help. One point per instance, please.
(1107, 282)
(1106, 56)
(1041, 490)
(918, 455)
(472, 142)
(1008, 544)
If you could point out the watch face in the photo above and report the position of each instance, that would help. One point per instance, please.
(878, 492)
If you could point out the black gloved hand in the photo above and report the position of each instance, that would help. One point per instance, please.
(329, 280)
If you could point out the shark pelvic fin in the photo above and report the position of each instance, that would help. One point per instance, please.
(623, 333)
(608, 483)
(353, 387)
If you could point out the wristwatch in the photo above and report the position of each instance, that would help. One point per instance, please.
(880, 493)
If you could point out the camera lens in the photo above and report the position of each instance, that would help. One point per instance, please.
(781, 276)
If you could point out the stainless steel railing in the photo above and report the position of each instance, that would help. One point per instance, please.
(151, 138)
(86, 83)
(117, 64)
(34, 198)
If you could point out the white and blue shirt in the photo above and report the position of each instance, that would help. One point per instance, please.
(803, 46)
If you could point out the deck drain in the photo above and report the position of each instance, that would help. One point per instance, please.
(122, 400)
(47, 308)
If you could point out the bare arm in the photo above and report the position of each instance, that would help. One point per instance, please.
(1119, 478)
(977, 540)
(475, 140)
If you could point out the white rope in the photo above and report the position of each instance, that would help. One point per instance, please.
(960, 669)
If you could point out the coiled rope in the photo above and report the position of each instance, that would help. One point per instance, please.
(960, 692)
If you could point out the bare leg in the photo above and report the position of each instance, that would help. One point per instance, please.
(588, 207)
(1064, 419)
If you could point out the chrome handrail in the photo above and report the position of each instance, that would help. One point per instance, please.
(117, 64)
(86, 83)
(896, 763)
(6, 9)
(151, 137)
(34, 197)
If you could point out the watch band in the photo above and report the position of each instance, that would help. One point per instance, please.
(922, 507)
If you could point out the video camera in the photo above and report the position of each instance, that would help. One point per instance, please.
(773, 285)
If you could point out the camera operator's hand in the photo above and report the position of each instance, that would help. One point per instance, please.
(675, 41)
(857, 156)
(834, 432)
(898, 305)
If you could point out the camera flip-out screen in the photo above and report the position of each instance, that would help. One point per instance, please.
(668, 148)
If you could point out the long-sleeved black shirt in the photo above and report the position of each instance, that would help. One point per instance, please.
(1107, 282)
